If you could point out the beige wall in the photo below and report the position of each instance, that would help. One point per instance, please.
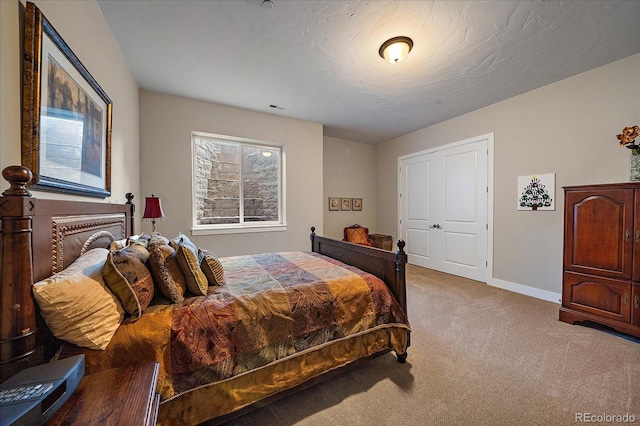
(568, 128)
(166, 123)
(349, 171)
(84, 29)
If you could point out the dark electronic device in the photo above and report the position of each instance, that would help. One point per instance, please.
(34, 394)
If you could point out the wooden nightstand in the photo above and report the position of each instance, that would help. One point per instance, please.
(382, 241)
(120, 396)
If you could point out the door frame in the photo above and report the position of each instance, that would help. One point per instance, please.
(489, 137)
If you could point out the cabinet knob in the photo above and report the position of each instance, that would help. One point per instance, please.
(636, 302)
(627, 235)
(637, 236)
(625, 299)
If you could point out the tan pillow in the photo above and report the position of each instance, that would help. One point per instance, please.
(212, 268)
(129, 279)
(197, 282)
(166, 272)
(77, 305)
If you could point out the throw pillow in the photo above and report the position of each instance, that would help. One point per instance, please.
(129, 279)
(165, 269)
(187, 255)
(357, 236)
(196, 279)
(77, 305)
(182, 239)
(212, 268)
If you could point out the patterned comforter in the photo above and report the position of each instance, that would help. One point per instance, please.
(273, 307)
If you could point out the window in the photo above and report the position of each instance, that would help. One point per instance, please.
(237, 184)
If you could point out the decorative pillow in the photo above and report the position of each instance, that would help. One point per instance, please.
(142, 240)
(211, 267)
(182, 239)
(134, 239)
(357, 236)
(165, 269)
(129, 279)
(118, 244)
(187, 255)
(77, 305)
(197, 282)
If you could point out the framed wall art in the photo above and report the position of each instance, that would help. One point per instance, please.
(346, 204)
(537, 192)
(66, 118)
(334, 203)
(356, 204)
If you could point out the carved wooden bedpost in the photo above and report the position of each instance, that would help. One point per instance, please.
(312, 237)
(401, 262)
(132, 210)
(17, 319)
(401, 282)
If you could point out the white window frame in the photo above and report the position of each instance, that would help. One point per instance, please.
(242, 227)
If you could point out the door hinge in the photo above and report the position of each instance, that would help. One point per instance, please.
(486, 264)
(487, 226)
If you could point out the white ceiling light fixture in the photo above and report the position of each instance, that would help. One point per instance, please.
(396, 49)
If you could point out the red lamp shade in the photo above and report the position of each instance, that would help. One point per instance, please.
(153, 210)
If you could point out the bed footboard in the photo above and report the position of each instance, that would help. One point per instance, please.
(388, 266)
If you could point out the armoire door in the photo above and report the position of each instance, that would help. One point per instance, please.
(599, 232)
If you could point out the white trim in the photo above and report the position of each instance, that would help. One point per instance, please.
(488, 136)
(490, 186)
(238, 230)
(549, 296)
(245, 227)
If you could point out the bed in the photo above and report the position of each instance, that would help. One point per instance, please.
(318, 312)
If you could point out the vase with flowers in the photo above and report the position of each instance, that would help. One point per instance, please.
(628, 138)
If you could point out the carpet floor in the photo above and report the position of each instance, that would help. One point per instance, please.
(479, 355)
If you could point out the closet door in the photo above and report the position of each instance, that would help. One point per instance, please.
(444, 209)
(419, 202)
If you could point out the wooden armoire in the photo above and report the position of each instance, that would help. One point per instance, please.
(601, 277)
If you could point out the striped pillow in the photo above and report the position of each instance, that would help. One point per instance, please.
(196, 280)
(212, 268)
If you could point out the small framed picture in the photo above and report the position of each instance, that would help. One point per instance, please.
(356, 204)
(334, 203)
(346, 204)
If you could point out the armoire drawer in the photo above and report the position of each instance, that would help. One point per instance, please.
(601, 296)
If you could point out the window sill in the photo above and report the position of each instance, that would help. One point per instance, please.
(238, 230)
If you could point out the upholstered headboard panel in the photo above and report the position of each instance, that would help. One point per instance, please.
(60, 237)
(71, 236)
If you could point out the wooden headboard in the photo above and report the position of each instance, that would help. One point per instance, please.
(38, 239)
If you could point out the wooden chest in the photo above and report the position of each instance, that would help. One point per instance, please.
(382, 241)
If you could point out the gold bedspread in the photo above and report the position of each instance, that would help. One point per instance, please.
(279, 320)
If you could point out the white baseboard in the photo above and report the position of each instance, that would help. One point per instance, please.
(526, 290)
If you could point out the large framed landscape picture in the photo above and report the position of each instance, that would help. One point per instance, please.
(66, 129)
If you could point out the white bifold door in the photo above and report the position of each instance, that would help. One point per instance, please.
(443, 199)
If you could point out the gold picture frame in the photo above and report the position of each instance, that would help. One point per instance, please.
(66, 116)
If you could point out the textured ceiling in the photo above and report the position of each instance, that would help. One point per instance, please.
(318, 60)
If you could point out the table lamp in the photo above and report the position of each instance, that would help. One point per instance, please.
(153, 210)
